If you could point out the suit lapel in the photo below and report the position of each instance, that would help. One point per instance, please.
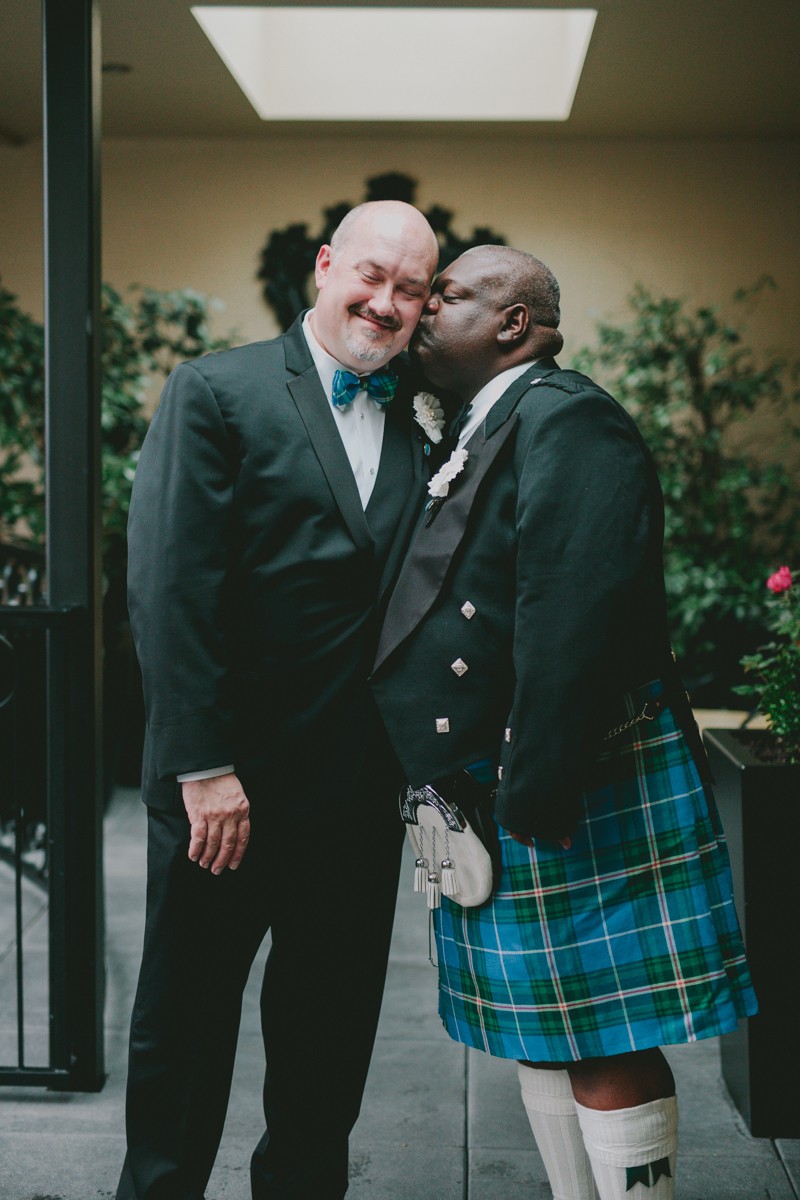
(500, 412)
(395, 469)
(315, 411)
(434, 545)
(402, 488)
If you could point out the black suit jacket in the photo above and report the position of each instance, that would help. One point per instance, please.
(553, 533)
(254, 572)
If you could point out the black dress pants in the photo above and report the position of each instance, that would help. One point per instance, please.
(326, 889)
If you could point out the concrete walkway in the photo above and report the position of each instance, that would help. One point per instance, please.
(438, 1121)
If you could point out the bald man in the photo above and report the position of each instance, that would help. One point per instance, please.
(275, 492)
(525, 645)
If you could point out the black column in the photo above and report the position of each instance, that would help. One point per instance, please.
(71, 50)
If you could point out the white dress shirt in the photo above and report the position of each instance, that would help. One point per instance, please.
(360, 427)
(360, 424)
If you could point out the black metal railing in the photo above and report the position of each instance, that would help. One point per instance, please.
(51, 654)
(22, 573)
(49, 973)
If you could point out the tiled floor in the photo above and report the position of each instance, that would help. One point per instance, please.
(438, 1121)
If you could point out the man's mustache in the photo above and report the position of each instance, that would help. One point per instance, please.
(364, 310)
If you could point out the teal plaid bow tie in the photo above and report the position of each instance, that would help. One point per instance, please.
(380, 385)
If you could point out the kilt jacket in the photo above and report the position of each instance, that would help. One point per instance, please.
(254, 575)
(531, 603)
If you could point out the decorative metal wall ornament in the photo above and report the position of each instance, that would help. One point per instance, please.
(287, 259)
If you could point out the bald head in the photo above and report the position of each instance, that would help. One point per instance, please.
(515, 277)
(393, 218)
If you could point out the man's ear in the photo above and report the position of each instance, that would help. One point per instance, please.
(515, 324)
(322, 265)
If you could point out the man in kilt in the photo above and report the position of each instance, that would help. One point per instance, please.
(526, 643)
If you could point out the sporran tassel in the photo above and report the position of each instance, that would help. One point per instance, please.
(421, 865)
(449, 882)
(433, 888)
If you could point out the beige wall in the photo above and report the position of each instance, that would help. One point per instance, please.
(695, 218)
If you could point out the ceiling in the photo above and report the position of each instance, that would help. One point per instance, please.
(655, 68)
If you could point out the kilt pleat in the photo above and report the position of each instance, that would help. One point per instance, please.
(626, 941)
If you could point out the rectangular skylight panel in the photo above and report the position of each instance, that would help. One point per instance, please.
(403, 64)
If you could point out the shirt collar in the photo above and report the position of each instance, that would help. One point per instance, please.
(326, 364)
(488, 396)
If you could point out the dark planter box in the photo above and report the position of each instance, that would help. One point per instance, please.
(759, 804)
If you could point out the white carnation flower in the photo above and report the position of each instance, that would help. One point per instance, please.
(429, 414)
(439, 485)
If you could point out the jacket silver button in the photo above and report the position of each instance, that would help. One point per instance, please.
(442, 724)
(459, 666)
(508, 735)
(468, 610)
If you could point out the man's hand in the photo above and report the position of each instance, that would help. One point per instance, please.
(219, 813)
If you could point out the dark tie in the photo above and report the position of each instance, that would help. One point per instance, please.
(459, 421)
(380, 385)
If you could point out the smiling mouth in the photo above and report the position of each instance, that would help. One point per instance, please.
(377, 322)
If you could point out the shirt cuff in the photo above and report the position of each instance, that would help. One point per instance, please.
(210, 773)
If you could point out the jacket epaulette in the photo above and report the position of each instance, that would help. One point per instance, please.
(565, 381)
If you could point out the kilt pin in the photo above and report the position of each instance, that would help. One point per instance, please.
(529, 625)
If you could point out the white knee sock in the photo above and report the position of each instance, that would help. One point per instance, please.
(550, 1105)
(632, 1149)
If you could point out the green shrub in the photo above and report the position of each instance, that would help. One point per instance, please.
(143, 337)
(773, 672)
(689, 377)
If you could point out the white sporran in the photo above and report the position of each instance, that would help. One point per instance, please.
(451, 859)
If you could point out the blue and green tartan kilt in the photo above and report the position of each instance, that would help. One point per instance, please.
(628, 940)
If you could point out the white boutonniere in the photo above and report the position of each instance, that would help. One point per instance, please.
(429, 415)
(439, 486)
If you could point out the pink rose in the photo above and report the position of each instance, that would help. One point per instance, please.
(781, 581)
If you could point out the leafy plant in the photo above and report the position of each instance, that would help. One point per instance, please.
(776, 665)
(21, 420)
(143, 336)
(287, 259)
(689, 378)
